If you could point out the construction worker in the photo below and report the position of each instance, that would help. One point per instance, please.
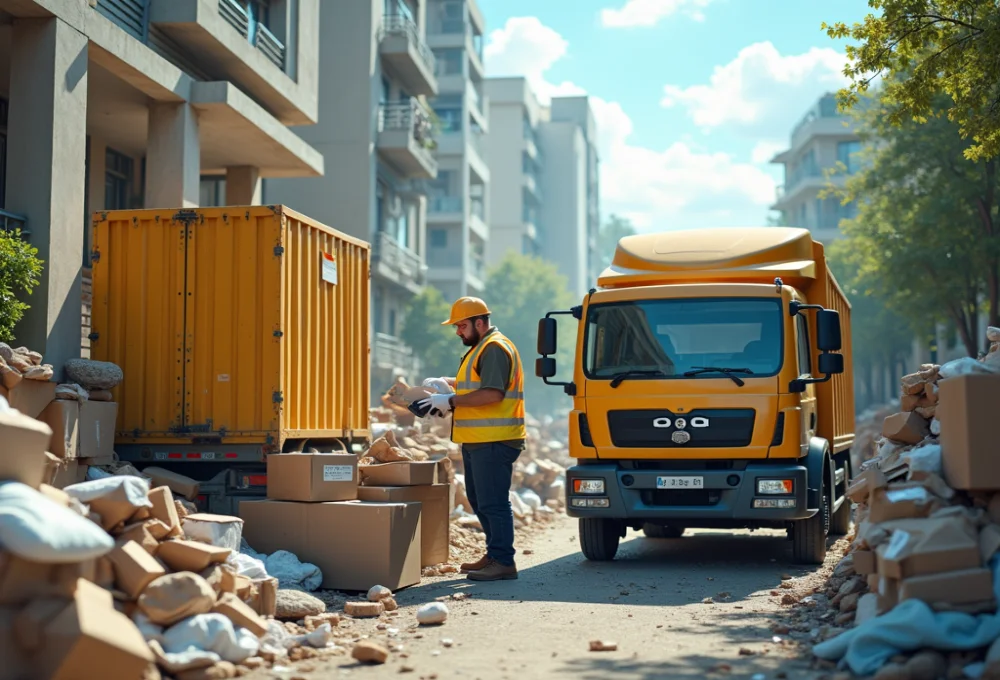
(488, 421)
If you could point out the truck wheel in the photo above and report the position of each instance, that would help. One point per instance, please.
(809, 535)
(599, 539)
(662, 531)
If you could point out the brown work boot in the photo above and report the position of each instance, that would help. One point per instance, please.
(494, 571)
(475, 566)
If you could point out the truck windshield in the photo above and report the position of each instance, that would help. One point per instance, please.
(667, 338)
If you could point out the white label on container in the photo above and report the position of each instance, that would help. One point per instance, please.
(329, 268)
(338, 473)
(223, 377)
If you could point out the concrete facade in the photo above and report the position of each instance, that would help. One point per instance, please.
(545, 180)
(120, 104)
(375, 135)
(458, 199)
(819, 141)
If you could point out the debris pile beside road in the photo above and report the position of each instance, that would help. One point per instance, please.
(916, 596)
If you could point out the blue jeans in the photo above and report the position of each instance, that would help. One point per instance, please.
(488, 471)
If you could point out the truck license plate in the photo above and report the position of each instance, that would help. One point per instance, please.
(680, 482)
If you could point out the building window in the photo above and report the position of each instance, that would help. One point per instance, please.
(847, 154)
(383, 96)
(450, 62)
(259, 11)
(392, 322)
(118, 180)
(398, 8)
(451, 118)
(212, 191)
(439, 238)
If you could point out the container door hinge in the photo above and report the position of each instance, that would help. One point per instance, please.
(95, 255)
(278, 334)
(277, 398)
(279, 251)
(94, 337)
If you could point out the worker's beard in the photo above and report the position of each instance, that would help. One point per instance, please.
(474, 340)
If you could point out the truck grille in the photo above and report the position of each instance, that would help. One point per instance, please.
(681, 497)
(653, 428)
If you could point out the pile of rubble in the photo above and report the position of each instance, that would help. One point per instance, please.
(916, 596)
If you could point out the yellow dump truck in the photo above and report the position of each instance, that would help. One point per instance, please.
(712, 388)
(241, 331)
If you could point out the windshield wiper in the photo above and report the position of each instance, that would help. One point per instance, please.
(619, 377)
(699, 370)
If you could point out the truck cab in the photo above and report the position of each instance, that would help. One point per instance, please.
(711, 388)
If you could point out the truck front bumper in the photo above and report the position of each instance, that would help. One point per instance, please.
(724, 496)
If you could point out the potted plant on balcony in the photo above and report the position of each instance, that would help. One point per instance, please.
(426, 126)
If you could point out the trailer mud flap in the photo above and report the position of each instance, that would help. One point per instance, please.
(815, 465)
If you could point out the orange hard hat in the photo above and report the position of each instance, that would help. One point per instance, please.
(466, 308)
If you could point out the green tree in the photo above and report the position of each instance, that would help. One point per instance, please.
(612, 231)
(520, 290)
(924, 235)
(923, 47)
(437, 346)
(19, 272)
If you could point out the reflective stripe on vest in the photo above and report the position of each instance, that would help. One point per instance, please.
(502, 421)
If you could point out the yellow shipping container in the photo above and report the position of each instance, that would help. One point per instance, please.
(242, 327)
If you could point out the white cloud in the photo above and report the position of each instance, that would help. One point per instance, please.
(651, 12)
(761, 92)
(765, 150)
(680, 186)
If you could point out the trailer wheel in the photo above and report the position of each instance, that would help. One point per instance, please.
(599, 538)
(652, 530)
(809, 535)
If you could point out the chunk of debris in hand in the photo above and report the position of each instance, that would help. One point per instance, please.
(368, 651)
(603, 646)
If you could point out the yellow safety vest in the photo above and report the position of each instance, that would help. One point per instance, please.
(499, 422)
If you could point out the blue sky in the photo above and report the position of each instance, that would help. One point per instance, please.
(692, 97)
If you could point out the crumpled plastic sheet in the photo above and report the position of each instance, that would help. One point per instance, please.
(277, 640)
(911, 626)
(247, 565)
(965, 366)
(211, 633)
(292, 573)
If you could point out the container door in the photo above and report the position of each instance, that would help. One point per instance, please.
(233, 333)
(138, 264)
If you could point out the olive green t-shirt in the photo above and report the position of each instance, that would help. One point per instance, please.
(494, 368)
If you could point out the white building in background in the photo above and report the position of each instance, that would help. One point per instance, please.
(376, 135)
(544, 198)
(821, 139)
(457, 208)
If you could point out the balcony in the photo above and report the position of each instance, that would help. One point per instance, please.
(11, 222)
(477, 218)
(405, 139)
(392, 354)
(406, 54)
(444, 207)
(532, 186)
(398, 264)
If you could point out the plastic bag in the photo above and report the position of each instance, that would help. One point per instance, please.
(965, 366)
(530, 498)
(245, 565)
(211, 633)
(292, 573)
(214, 530)
(36, 528)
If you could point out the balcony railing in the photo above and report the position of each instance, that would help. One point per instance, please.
(444, 204)
(10, 222)
(389, 351)
(411, 116)
(478, 208)
(236, 15)
(256, 34)
(395, 24)
(269, 44)
(399, 258)
(476, 138)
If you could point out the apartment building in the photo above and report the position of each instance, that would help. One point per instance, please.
(376, 136)
(820, 139)
(458, 198)
(545, 188)
(110, 104)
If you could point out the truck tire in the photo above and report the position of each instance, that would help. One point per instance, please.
(809, 535)
(599, 539)
(662, 531)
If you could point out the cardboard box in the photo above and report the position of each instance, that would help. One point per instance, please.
(222, 531)
(134, 568)
(164, 509)
(22, 580)
(97, 429)
(434, 515)
(908, 428)
(970, 430)
(904, 502)
(312, 476)
(182, 555)
(949, 590)
(888, 593)
(240, 613)
(64, 419)
(989, 542)
(22, 456)
(182, 485)
(401, 473)
(31, 397)
(262, 596)
(70, 472)
(356, 545)
(864, 562)
(940, 545)
(861, 486)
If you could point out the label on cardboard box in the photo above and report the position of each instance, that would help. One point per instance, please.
(338, 473)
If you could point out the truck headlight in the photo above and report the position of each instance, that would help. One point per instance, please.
(588, 486)
(778, 487)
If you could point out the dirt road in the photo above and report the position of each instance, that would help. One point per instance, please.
(651, 601)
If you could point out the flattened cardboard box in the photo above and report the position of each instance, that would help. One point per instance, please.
(312, 477)
(356, 545)
(970, 431)
(97, 429)
(401, 473)
(23, 453)
(31, 397)
(435, 533)
(908, 428)
(939, 545)
(950, 590)
(64, 418)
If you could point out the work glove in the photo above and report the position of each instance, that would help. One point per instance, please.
(439, 385)
(436, 403)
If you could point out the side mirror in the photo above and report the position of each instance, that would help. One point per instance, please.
(547, 333)
(545, 367)
(828, 331)
(831, 364)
